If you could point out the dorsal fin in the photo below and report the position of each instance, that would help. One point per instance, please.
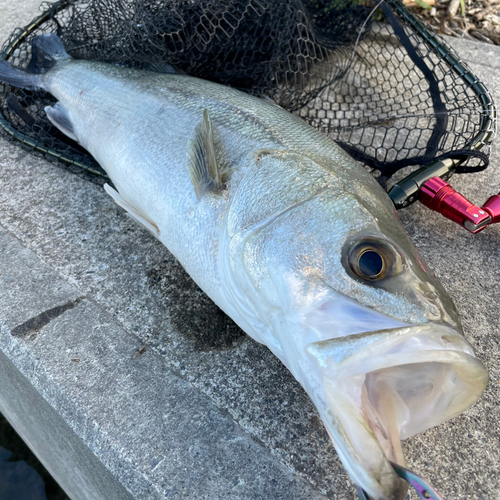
(164, 68)
(203, 169)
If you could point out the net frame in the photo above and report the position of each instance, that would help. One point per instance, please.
(405, 192)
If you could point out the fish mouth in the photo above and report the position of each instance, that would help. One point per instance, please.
(383, 386)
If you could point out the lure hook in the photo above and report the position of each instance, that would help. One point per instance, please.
(424, 490)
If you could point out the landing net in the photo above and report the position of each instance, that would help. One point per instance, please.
(366, 73)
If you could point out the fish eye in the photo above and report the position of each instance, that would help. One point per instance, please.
(372, 259)
(371, 263)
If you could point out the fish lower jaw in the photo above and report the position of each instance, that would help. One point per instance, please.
(371, 413)
(406, 381)
(366, 440)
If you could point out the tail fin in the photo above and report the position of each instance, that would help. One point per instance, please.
(17, 77)
(46, 51)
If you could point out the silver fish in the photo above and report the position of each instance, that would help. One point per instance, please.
(289, 236)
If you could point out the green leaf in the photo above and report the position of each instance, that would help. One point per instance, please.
(462, 5)
(424, 5)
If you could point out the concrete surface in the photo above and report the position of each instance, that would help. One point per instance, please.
(204, 412)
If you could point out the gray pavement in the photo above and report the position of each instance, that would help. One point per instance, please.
(204, 412)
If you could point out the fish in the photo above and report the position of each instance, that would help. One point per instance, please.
(288, 235)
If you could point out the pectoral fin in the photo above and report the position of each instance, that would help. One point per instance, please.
(133, 211)
(203, 168)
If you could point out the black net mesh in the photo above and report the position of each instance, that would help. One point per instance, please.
(365, 73)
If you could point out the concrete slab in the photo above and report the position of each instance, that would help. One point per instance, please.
(203, 369)
(475, 52)
(103, 416)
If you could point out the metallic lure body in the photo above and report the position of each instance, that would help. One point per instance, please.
(263, 212)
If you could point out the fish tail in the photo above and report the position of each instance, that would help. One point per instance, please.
(46, 51)
(17, 77)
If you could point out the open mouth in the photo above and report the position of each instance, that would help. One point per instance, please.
(384, 386)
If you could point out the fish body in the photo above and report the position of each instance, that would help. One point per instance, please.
(290, 237)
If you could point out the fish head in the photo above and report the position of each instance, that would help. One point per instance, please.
(354, 312)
